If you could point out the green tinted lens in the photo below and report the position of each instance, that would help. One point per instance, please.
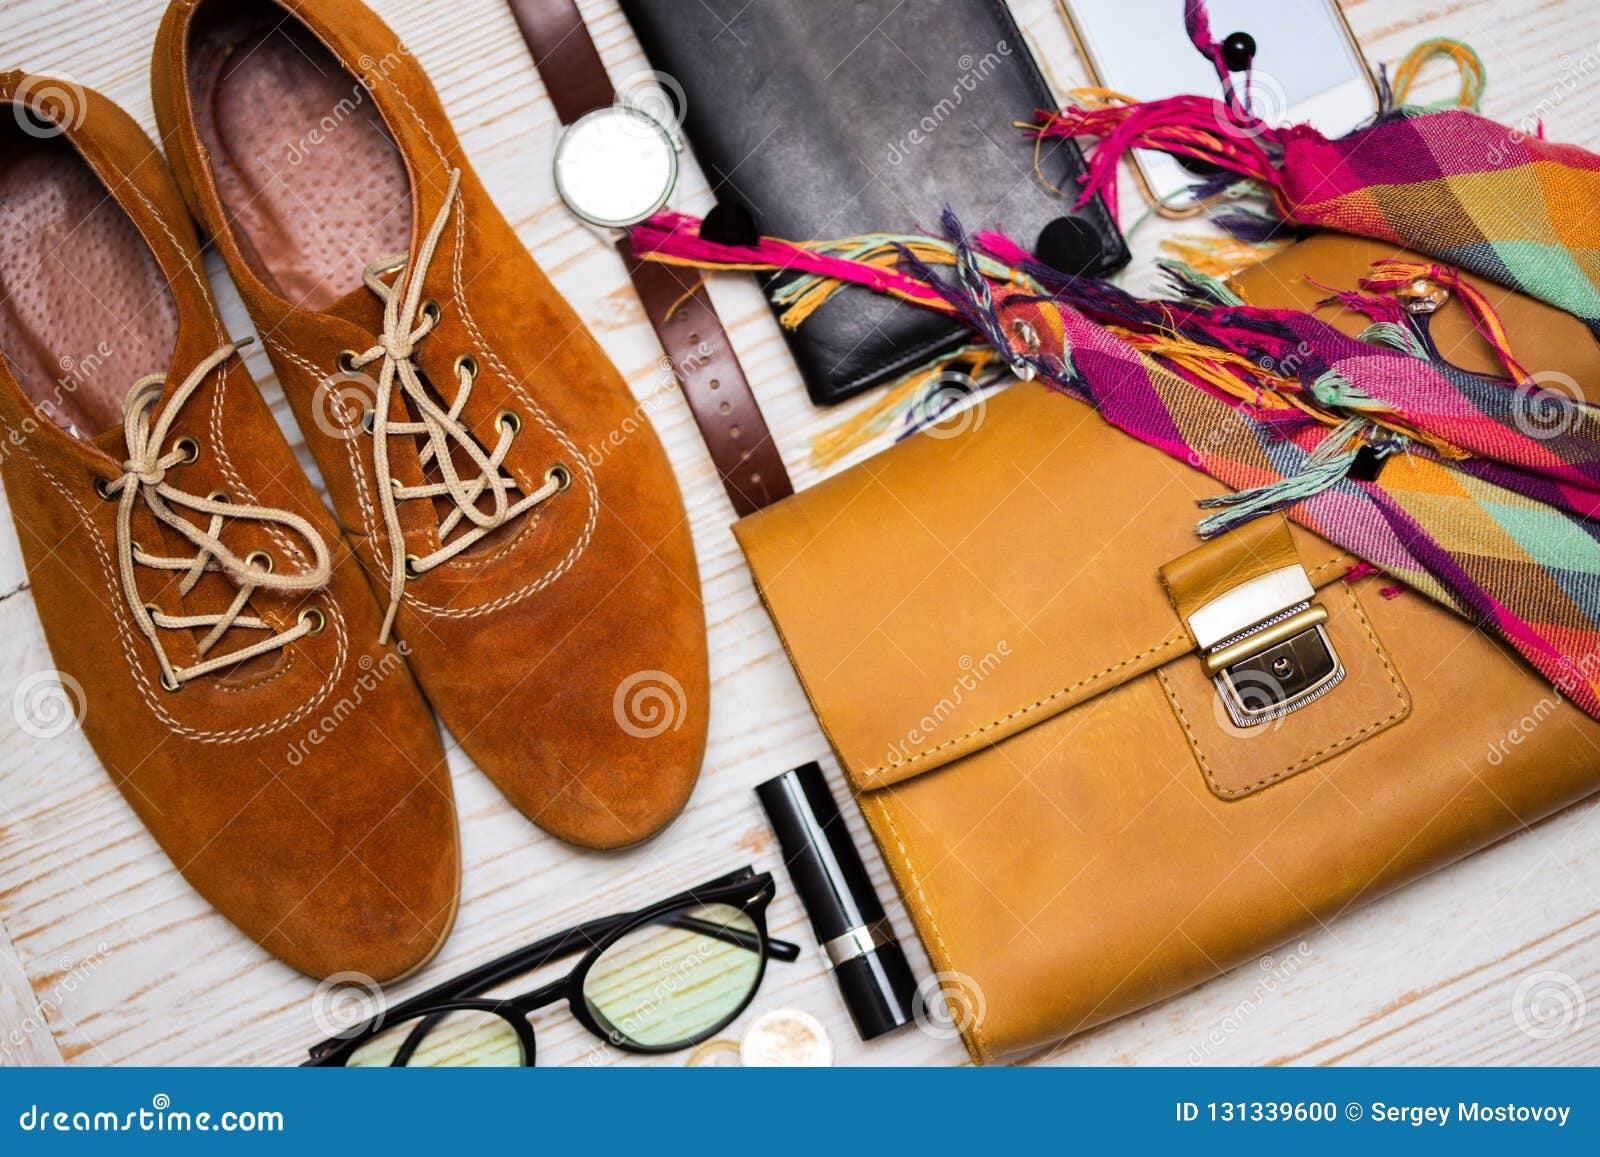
(670, 981)
(460, 1039)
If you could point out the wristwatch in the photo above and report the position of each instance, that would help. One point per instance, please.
(616, 165)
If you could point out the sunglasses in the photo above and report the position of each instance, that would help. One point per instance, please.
(655, 980)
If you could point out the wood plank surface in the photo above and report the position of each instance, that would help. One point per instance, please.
(108, 957)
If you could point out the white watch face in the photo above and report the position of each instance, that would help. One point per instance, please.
(615, 166)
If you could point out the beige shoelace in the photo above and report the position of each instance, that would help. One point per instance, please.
(145, 479)
(407, 319)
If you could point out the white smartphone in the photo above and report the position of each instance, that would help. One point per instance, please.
(1307, 68)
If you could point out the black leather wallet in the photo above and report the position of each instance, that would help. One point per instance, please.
(830, 118)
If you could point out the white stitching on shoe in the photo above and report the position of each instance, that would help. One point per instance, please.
(407, 321)
(149, 413)
(126, 638)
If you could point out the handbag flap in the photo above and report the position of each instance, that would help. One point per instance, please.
(981, 577)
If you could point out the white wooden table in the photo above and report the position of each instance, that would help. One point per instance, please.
(108, 957)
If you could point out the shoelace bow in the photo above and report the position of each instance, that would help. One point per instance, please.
(145, 479)
(407, 319)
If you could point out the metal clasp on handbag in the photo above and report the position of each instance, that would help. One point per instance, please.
(1266, 647)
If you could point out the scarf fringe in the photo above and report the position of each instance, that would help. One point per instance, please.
(1216, 343)
(1325, 467)
(915, 400)
(1198, 285)
(1201, 128)
(1219, 256)
(1395, 335)
(1468, 64)
(1224, 133)
(1393, 276)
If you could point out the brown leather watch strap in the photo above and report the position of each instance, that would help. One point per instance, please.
(675, 300)
(565, 53)
(713, 382)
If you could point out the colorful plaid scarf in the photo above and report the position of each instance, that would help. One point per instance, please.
(1482, 492)
(1516, 209)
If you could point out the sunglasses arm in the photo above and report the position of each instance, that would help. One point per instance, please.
(782, 950)
(778, 949)
(579, 939)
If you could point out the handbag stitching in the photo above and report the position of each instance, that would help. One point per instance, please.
(875, 807)
(1316, 756)
(872, 773)
(980, 1046)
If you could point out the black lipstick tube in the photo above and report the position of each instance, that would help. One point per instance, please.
(847, 917)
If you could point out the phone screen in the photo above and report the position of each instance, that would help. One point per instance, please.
(1306, 67)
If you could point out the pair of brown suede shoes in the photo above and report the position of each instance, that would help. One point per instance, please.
(250, 666)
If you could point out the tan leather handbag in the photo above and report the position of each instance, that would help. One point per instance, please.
(1105, 761)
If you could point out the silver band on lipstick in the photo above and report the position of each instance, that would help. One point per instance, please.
(869, 967)
(858, 941)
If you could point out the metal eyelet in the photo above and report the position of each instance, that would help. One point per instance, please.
(318, 620)
(508, 421)
(345, 361)
(412, 565)
(102, 488)
(172, 687)
(369, 421)
(430, 311)
(466, 364)
(152, 610)
(259, 559)
(560, 475)
(219, 496)
(396, 485)
(189, 448)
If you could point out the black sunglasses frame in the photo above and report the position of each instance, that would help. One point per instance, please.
(749, 891)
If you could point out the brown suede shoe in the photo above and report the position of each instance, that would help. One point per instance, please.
(513, 508)
(189, 580)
